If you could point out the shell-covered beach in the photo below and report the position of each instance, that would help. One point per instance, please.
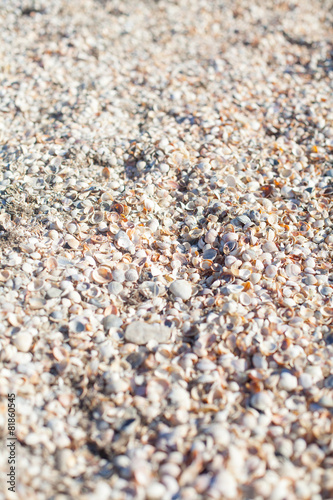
(166, 242)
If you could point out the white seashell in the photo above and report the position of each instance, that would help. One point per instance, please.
(270, 246)
(5, 275)
(131, 275)
(5, 222)
(156, 491)
(292, 270)
(23, 341)
(157, 389)
(245, 299)
(72, 242)
(36, 285)
(230, 307)
(141, 333)
(271, 271)
(181, 289)
(37, 303)
(261, 400)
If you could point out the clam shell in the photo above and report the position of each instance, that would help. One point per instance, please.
(5, 275)
(101, 275)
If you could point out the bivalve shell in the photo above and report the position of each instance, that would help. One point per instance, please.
(101, 275)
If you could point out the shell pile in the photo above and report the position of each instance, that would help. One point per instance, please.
(166, 243)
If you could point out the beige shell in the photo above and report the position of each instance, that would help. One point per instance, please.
(101, 275)
(72, 242)
(36, 285)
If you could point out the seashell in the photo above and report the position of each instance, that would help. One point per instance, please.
(112, 217)
(195, 234)
(57, 224)
(105, 206)
(53, 234)
(102, 227)
(14, 320)
(83, 218)
(122, 239)
(272, 219)
(325, 291)
(209, 254)
(190, 206)
(118, 208)
(72, 242)
(227, 278)
(292, 270)
(286, 313)
(312, 457)
(51, 263)
(106, 173)
(36, 285)
(113, 228)
(270, 247)
(327, 311)
(235, 270)
(229, 246)
(157, 389)
(83, 287)
(131, 200)
(152, 289)
(37, 302)
(244, 274)
(5, 275)
(76, 326)
(299, 298)
(101, 275)
(73, 227)
(98, 238)
(93, 292)
(96, 217)
(27, 248)
(131, 275)
(268, 347)
(245, 299)
(56, 316)
(72, 195)
(112, 309)
(206, 264)
(5, 222)
(271, 271)
(106, 197)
